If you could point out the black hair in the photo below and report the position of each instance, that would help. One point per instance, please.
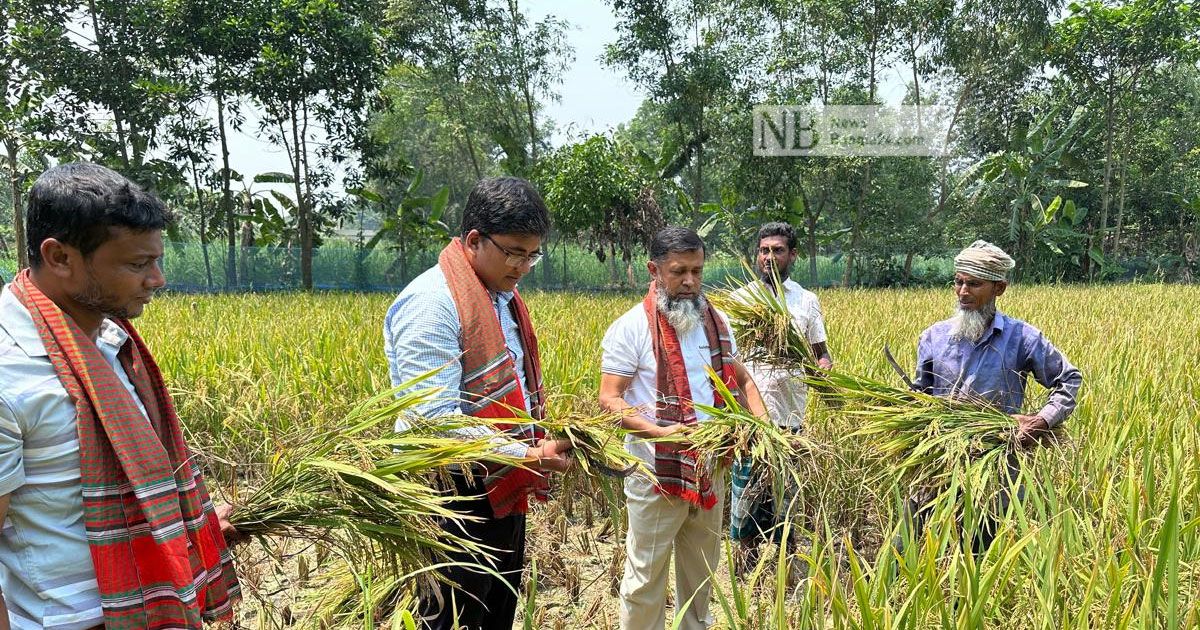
(778, 228)
(78, 203)
(505, 205)
(672, 240)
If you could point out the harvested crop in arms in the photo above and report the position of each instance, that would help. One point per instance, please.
(947, 449)
(763, 327)
(598, 443)
(368, 499)
(732, 433)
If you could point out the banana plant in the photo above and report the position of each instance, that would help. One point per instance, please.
(415, 219)
(1030, 170)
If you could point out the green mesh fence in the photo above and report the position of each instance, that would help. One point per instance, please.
(193, 268)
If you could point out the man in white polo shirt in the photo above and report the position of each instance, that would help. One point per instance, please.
(756, 508)
(652, 370)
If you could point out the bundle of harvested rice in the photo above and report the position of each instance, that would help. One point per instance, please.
(732, 433)
(763, 327)
(942, 448)
(598, 443)
(370, 499)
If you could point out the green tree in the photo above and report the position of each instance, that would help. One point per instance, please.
(318, 65)
(1110, 49)
(599, 197)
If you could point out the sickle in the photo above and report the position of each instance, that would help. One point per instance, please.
(611, 472)
(887, 353)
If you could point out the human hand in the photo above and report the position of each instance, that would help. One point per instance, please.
(674, 433)
(228, 531)
(825, 363)
(1030, 429)
(547, 458)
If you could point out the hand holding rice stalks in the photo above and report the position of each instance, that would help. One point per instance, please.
(732, 433)
(598, 443)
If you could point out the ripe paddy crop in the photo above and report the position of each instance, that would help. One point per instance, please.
(1109, 538)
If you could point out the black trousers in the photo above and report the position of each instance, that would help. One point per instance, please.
(480, 600)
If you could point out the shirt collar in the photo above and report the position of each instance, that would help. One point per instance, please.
(18, 323)
(502, 298)
(999, 323)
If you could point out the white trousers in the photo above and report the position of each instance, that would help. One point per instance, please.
(659, 525)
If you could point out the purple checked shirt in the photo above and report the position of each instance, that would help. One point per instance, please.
(995, 368)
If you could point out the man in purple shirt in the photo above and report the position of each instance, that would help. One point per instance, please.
(983, 354)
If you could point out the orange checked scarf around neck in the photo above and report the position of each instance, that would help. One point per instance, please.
(490, 387)
(160, 559)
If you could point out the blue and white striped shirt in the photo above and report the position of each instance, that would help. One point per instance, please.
(422, 332)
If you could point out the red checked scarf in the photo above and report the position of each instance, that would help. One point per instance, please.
(490, 386)
(677, 470)
(157, 548)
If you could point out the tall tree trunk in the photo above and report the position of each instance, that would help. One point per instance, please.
(201, 211)
(525, 79)
(301, 203)
(1105, 194)
(456, 97)
(812, 250)
(18, 205)
(306, 237)
(1124, 172)
(103, 49)
(226, 194)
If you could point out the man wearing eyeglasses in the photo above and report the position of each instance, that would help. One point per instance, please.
(465, 316)
(754, 513)
(983, 355)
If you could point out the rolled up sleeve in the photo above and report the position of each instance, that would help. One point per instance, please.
(1054, 372)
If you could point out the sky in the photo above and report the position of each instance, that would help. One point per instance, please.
(594, 98)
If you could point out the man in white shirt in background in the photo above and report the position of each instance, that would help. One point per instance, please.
(754, 513)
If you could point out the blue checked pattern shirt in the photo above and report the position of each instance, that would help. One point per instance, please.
(421, 333)
(997, 366)
(46, 571)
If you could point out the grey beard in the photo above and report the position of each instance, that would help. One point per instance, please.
(971, 325)
(684, 315)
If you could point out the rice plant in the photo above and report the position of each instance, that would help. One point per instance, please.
(1108, 534)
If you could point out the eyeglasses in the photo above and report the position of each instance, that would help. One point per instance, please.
(514, 259)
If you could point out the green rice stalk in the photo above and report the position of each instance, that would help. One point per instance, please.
(927, 441)
(732, 433)
(598, 443)
(371, 499)
(763, 327)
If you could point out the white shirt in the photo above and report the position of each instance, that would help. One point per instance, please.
(804, 307)
(46, 571)
(627, 351)
(784, 393)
